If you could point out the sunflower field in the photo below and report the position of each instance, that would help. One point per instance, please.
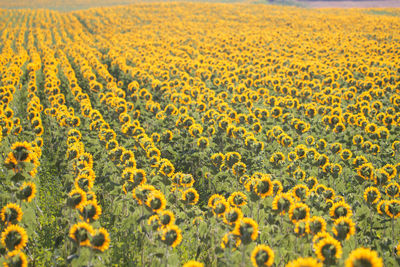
(200, 134)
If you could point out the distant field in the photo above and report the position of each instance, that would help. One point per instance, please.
(350, 4)
(77, 4)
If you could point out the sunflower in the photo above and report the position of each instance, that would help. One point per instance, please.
(83, 182)
(277, 187)
(393, 190)
(392, 208)
(247, 229)
(220, 207)
(100, 240)
(262, 255)
(217, 159)
(372, 195)
(171, 236)
(156, 201)
(263, 187)
(343, 228)
(186, 180)
(237, 199)
(233, 215)
(328, 250)
(317, 225)
(141, 193)
(193, 264)
(364, 257)
(282, 203)
(14, 237)
(299, 212)
(166, 218)
(11, 213)
(16, 258)
(202, 142)
(238, 169)
(76, 197)
(300, 192)
(81, 232)
(21, 151)
(340, 209)
(190, 196)
(89, 210)
(213, 199)
(304, 262)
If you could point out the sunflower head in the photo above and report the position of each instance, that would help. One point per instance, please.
(89, 210)
(156, 201)
(16, 258)
(262, 255)
(76, 197)
(14, 237)
(193, 264)
(190, 196)
(237, 199)
(304, 262)
(100, 240)
(343, 228)
(328, 250)
(167, 218)
(81, 232)
(233, 215)
(171, 236)
(364, 257)
(11, 213)
(247, 229)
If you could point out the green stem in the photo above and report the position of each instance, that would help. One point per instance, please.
(244, 256)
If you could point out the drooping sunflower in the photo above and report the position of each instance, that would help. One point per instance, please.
(233, 215)
(372, 195)
(282, 203)
(340, 209)
(100, 239)
(141, 193)
(81, 232)
(76, 197)
(156, 201)
(263, 187)
(220, 207)
(364, 257)
(393, 190)
(304, 262)
(392, 208)
(14, 237)
(262, 255)
(16, 258)
(213, 199)
(171, 235)
(317, 225)
(300, 192)
(247, 229)
(11, 213)
(299, 212)
(343, 228)
(166, 218)
(328, 250)
(190, 196)
(89, 210)
(237, 199)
